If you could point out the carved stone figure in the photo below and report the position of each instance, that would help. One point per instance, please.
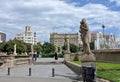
(67, 45)
(67, 49)
(88, 57)
(32, 51)
(15, 50)
(85, 36)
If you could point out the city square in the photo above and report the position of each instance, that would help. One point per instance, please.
(60, 40)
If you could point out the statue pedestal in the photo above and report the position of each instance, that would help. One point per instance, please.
(67, 55)
(15, 54)
(88, 68)
(30, 60)
(87, 58)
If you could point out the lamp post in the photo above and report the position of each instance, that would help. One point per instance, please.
(103, 26)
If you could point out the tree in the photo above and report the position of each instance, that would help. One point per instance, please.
(9, 46)
(38, 47)
(59, 50)
(28, 45)
(73, 48)
(48, 48)
(2, 46)
(92, 46)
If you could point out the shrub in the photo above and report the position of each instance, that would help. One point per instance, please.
(47, 55)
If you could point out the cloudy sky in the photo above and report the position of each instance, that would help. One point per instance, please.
(62, 16)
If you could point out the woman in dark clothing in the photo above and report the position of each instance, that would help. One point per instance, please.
(56, 57)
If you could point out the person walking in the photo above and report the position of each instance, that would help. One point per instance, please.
(56, 57)
(35, 56)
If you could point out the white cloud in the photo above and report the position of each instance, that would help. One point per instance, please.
(46, 16)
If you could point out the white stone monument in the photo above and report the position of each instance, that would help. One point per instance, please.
(14, 53)
(67, 49)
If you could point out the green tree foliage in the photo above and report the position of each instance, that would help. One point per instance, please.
(28, 47)
(2, 47)
(9, 46)
(21, 46)
(92, 46)
(73, 48)
(38, 47)
(48, 48)
(58, 49)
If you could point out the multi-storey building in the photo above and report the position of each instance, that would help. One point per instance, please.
(59, 39)
(2, 37)
(27, 36)
(93, 36)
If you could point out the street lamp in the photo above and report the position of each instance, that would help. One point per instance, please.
(103, 26)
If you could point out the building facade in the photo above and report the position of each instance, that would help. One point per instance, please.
(59, 39)
(2, 37)
(93, 36)
(27, 36)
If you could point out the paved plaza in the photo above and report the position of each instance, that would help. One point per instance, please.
(39, 72)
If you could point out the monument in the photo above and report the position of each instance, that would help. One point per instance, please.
(67, 49)
(31, 54)
(87, 59)
(32, 51)
(86, 39)
(14, 53)
(67, 44)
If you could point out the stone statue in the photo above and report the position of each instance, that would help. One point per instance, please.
(67, 49)
(15, 47)
(85, 36)
(15, 50)
(32, 51)
(88, 58)
(67, 44)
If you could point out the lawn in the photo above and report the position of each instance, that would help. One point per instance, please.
(108, 71)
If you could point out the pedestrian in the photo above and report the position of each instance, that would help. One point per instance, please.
(35, 56)
(56, 57)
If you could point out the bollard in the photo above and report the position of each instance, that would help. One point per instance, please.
(8, 71)
(53, 72)
(29, 71)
